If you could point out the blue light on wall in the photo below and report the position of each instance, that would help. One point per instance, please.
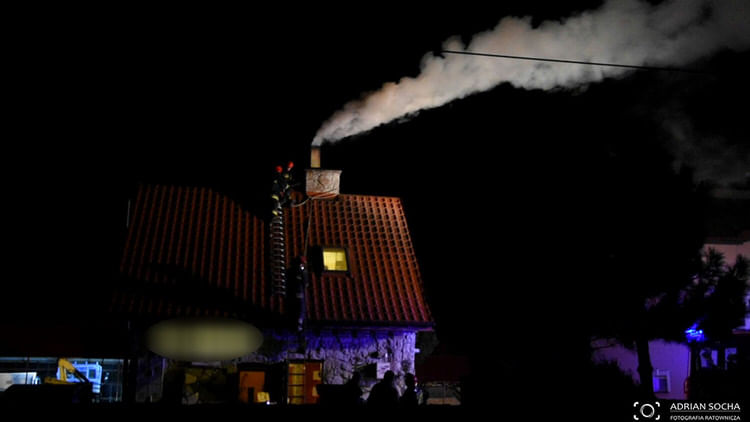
(693, 334)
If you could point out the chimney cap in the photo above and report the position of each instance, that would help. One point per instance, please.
(315, 157)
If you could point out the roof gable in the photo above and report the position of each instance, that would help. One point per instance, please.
(192, 251)
(383, 282)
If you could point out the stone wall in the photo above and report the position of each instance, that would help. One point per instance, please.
(342, 352)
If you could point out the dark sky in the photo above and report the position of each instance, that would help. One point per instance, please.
(218, 98)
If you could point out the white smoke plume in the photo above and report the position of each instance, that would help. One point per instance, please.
(672, 33)
(713, 157)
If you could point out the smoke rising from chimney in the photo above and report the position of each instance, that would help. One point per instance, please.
(673, 33)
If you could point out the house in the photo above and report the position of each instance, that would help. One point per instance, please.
(192, 252)
(729, 234)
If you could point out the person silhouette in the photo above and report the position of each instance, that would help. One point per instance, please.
(384, 394)
(409, 398)
(352, 391)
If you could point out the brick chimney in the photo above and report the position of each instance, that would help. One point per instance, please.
(321, 183)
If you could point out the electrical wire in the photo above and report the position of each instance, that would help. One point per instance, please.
(545, 59)
(301, 203)
(307, 229)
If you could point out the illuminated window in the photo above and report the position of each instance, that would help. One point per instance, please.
(661, 381)
(334, 259)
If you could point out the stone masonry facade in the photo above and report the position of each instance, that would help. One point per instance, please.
(342, 352)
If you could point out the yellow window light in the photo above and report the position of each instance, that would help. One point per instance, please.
(334, 259)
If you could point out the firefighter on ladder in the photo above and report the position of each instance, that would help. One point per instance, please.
(280, 191)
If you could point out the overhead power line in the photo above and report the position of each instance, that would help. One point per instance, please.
(545, 59)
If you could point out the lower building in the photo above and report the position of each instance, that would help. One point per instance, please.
(674, 363)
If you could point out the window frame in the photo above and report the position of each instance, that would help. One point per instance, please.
(336, 248)
(665, 374)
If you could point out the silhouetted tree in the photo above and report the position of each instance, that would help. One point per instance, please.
(648, 253)
(716, 298)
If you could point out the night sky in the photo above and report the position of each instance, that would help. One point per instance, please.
(503, 188)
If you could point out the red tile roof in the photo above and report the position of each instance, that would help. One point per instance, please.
(193, 251)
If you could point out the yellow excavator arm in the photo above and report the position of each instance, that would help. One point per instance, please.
(64, 366)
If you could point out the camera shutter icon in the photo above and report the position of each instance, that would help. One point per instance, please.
(646, 411)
